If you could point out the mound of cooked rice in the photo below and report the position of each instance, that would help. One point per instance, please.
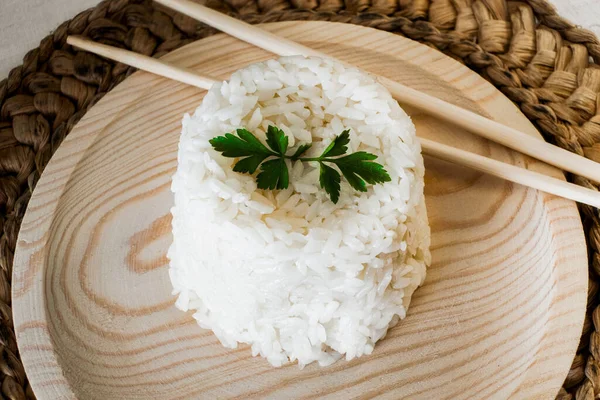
(289, 272)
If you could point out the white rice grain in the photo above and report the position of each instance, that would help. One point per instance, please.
(289, 272)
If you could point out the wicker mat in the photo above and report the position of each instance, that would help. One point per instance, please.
(539, 60)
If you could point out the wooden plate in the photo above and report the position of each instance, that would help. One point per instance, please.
(499, 316)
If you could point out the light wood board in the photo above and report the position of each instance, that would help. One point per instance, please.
(499, 315)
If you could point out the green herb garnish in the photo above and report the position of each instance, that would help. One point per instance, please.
(358, 168)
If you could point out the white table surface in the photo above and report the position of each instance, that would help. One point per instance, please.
(23, 23)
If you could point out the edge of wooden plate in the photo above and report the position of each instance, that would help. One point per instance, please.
(29, 302)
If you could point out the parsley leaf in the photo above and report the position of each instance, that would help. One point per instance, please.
(277, 140)
(249, 164)
(358, 165)
(338, 146)
(301, 150)
(274, 175)
(330, 180)
(233, 146)
(358, 168)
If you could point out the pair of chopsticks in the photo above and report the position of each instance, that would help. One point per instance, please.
(468, 120)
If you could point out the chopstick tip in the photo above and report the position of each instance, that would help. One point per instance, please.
(73, 40)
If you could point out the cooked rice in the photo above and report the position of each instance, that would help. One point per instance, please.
(289, 272)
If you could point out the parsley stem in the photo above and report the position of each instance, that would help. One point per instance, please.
(307, 159)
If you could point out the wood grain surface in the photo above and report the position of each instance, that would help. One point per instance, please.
(93, 311)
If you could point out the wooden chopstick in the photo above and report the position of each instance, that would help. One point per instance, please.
(461, 157)
(511, 173)
(492, 130)
(149, 64)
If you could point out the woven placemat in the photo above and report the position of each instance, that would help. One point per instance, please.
(539, 60)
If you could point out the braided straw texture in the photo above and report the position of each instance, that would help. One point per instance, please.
(539, 60)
